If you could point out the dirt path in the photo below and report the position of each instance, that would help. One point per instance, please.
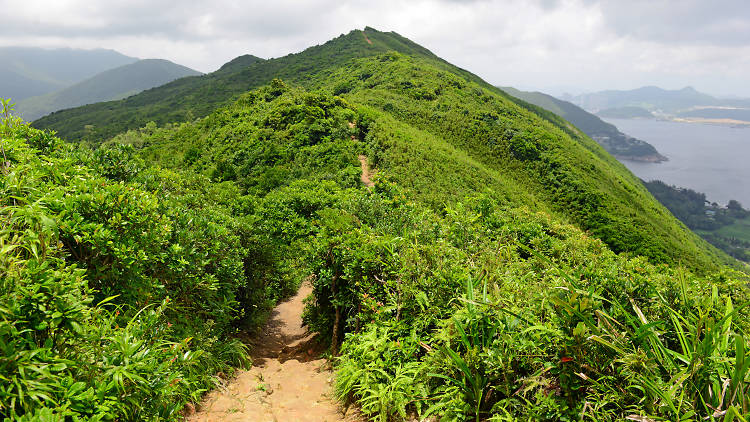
(288, 380)
(366, 173)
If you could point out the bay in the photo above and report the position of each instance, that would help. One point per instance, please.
(712, 159)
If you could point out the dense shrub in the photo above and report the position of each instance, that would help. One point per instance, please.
(113, 297)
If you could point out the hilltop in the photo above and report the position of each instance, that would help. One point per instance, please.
(26, 71)
(112, 84)
(607, 135)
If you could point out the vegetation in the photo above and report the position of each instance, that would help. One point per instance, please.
(122, 285)
(615, 142)
(184, 99)
(502, 267)
(112, 84)
(723, 227)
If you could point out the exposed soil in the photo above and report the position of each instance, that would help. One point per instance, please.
(366, 39)
(366, 173)
(288, 381)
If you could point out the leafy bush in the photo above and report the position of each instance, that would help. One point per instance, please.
(113, 298)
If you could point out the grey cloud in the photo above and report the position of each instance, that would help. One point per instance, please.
(724, 22)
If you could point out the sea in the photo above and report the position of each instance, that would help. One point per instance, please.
(708, 158)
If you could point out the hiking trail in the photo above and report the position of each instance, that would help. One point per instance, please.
(366, 172)
(289, 381)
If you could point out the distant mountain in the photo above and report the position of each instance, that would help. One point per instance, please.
(684, 104)
(731, 115)
(113, 84)
(650, 98)
(628, 112)
(26, 71)
(607, 135)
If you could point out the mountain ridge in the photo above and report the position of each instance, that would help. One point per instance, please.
(552, 179)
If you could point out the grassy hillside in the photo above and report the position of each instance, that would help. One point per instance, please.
(443, 289)
(112, 84)
(492, 272)
(452, 287)
(606, 134)
(525, 153)
(27, 71)
(185, 99)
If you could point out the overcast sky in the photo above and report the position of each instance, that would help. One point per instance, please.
(551, 45)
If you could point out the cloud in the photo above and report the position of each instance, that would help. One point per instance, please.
(580, 44)
(724, 22)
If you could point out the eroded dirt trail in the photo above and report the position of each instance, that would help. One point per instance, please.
(366, 172)
(288, 380)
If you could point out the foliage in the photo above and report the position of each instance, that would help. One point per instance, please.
(707, 219)
(462, 285)
(116, 284)
(411, 104)
(551, 325)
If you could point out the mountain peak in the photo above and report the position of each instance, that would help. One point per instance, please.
(240, 62)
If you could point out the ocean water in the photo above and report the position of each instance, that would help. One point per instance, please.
(712, 159)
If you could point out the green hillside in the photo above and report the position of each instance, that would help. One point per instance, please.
(112, 84)
(528, 155)
(198, 96)
(502, 266)
(615, 142)
(239, 63)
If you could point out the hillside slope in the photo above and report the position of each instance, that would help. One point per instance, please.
(109, 85)
(26, 71)
(444, 136)
(468, 281)
(452, 210)
(607, 135)
(528, 154)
